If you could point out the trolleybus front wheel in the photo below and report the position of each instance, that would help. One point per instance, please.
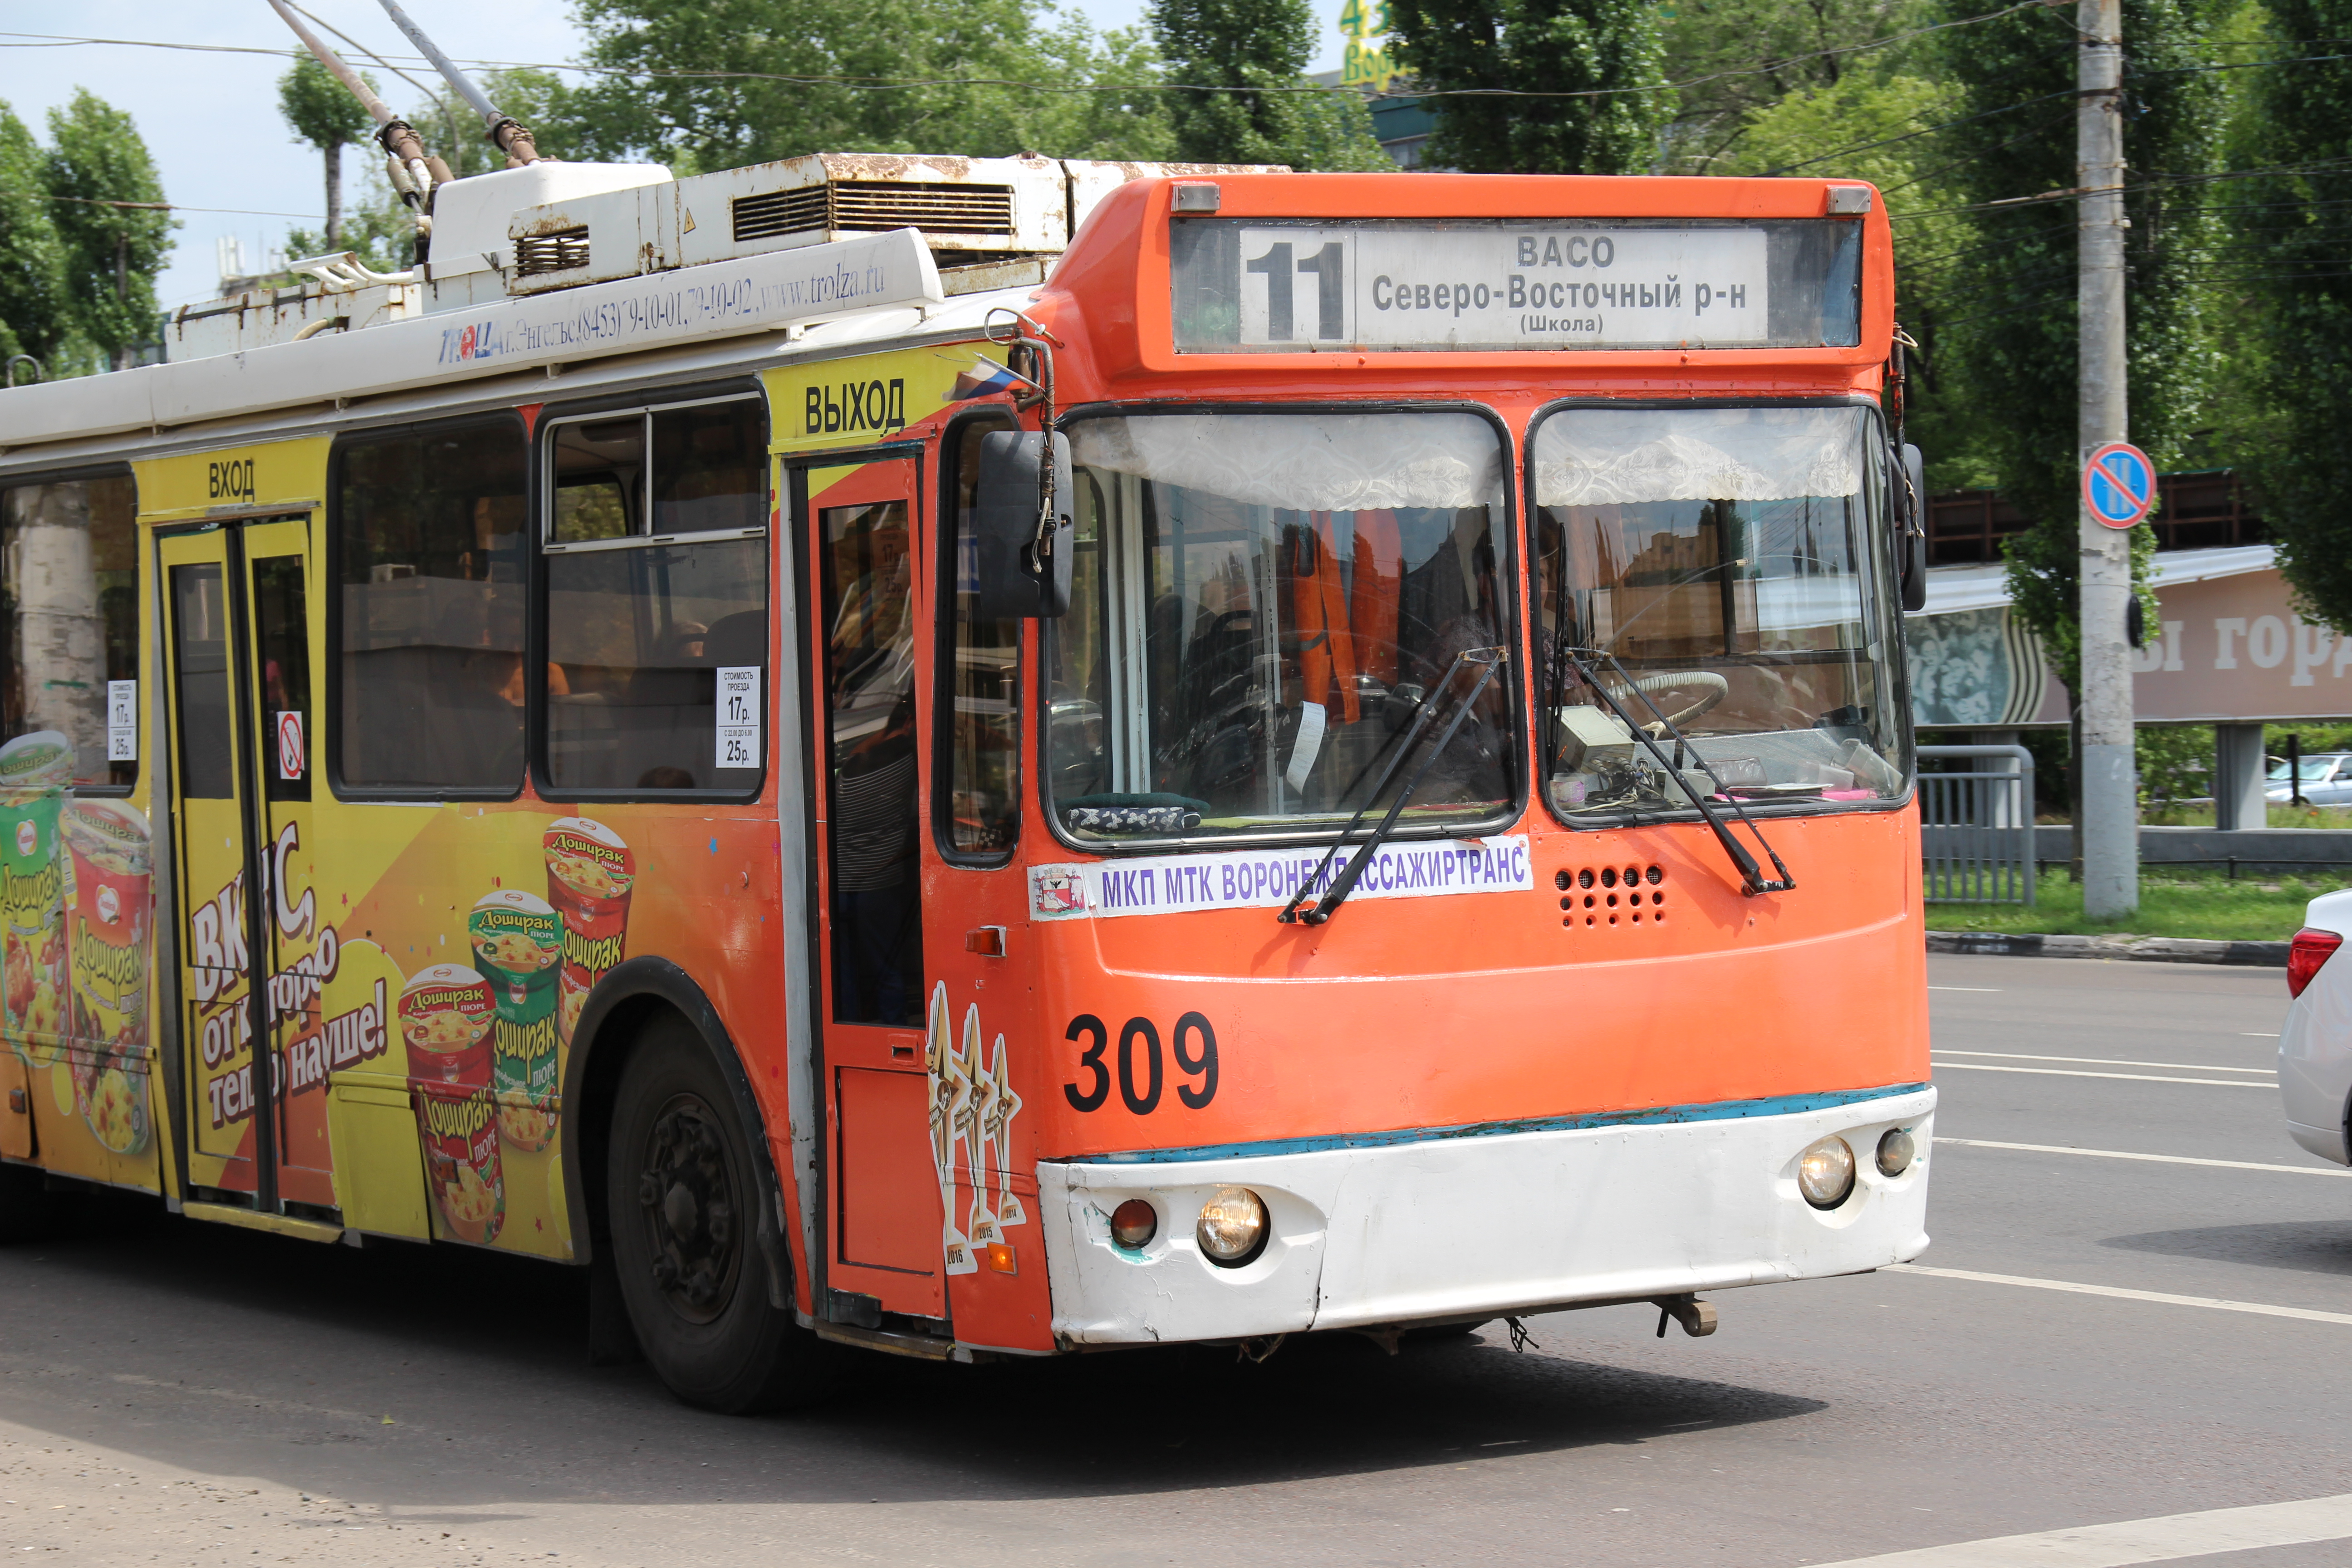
(27, 1211)
(682, 1194)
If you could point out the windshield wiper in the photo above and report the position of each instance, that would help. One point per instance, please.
(1487, 661)
(1752, 877)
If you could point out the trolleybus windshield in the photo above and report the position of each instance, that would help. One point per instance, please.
(1731, 563)
(1263, 601)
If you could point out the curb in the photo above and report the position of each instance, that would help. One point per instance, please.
(2145, 949)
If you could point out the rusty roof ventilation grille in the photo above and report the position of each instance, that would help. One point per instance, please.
(875, 206)
(559, 252)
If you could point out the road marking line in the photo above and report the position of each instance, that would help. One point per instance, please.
(2134, 1076)
(2161, 1540)
(1987, 990)
(2257, 1035)
(2165, 1159)
(2159, 1297)
(2103, 1061)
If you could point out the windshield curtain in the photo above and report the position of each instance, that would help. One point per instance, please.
(1732, 561)
(1263, 601)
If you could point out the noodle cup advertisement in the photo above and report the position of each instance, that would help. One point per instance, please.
(35, 773)
(590, 875)
(446, 1017)
(518, 941)
(107, 957)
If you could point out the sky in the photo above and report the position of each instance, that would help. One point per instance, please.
(210, 119)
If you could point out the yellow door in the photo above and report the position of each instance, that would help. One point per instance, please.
(239, 611)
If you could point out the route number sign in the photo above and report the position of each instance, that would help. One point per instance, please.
(2119, 484)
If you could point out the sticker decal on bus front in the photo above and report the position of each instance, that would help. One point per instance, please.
(1171, 884)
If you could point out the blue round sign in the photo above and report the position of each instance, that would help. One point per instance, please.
(2119, 484)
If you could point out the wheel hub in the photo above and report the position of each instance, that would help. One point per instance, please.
(686, 1193)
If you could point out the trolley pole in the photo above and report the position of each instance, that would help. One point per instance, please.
(2110, 794)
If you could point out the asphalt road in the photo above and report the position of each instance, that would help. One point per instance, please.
(180, 1393)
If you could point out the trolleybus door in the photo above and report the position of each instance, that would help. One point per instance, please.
(239, 639)
(870, 642)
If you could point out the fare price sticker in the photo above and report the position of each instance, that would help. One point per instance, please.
(122, 720)
(739, 733)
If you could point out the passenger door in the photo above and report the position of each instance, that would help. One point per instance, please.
(239, 640)
(869, 645)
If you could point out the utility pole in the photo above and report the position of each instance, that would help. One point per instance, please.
(2110, 793)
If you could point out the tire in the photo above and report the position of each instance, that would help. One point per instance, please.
(683, 1191)
(27, 1211)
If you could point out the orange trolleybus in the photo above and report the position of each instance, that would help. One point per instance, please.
(985, 758)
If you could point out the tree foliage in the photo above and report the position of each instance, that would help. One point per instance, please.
(35, 312)
(2289, 265)
(77, 272)
(989, 77)
(1512, 47)
(1262, 46)
(322, 113)
(1728, 40)
(2005, 351)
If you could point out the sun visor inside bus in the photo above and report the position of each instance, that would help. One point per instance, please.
(1004, 574)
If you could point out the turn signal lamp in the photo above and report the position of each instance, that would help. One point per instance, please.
(1895, 1149)
(1134, 1223)
(1233, 1227)
(1825, 1171)
(2311, 948)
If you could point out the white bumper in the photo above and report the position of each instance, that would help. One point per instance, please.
(2315, 1062)
(1456, 1227)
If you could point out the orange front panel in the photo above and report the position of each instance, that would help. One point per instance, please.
(890, 1193)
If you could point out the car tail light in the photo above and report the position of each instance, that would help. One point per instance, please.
(2310, 949)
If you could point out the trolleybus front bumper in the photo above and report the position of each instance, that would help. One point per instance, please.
(1400, 1229)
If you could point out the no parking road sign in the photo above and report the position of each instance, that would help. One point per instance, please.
(2119, 484)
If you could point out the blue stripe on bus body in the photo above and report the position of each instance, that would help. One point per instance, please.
(1712, 1111)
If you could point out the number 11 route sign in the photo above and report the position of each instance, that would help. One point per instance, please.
(2119, 484)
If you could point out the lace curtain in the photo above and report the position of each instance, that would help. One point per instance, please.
(1613, 457)
(1304, 462)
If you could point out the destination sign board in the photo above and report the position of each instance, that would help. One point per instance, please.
(1255, 287)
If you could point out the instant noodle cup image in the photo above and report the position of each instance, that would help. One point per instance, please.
(459, 1128)
(518, 942)
(590, 876)
(36, 770)
(446, 1016)
(107, 932)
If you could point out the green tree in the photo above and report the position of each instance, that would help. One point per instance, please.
(1717, 46)
(1256, 52)
(34, 312)
(978, 76)
(2292, 231)
(321, 111)
(1513, 46)
(96, 163)
(2008, 346)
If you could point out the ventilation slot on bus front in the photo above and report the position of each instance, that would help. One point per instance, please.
(875, 205)
(558, 252)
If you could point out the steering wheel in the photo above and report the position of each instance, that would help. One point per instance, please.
(1713, 689)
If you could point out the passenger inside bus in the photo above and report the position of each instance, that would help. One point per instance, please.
(1306, 581)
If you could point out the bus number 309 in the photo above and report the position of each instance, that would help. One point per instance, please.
(1195, 1045)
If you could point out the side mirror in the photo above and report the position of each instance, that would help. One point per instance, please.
(1009, 581)
(1911, 529)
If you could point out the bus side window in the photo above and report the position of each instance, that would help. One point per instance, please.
(429, 574)
(656, 582)
(980, 806)
(69, 618)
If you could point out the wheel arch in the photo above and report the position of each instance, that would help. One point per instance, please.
(629, 996)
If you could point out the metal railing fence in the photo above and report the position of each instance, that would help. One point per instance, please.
(1975, 827)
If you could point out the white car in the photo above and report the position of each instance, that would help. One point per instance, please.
(2327, 780)
(2316, 1047)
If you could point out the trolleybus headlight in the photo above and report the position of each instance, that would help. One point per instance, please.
(1233, 1227)
(1895, 1151)
(1825, 1173)
(1134, 1223)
